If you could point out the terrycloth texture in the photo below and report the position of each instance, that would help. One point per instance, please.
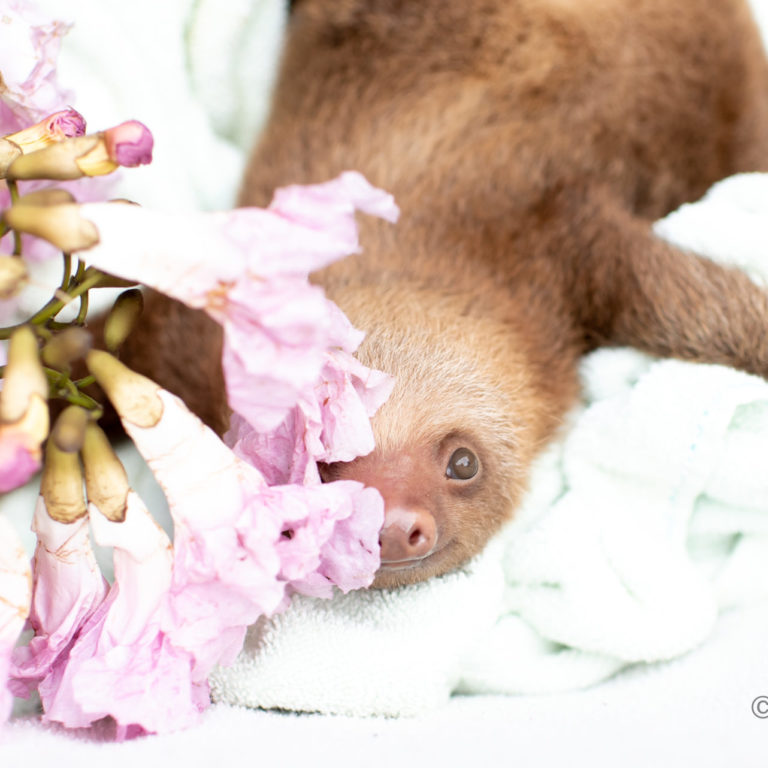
(649, 516)
(694, 711)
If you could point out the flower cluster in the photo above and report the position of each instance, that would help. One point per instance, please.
(241, 546)
(32, 111)
(253, 524)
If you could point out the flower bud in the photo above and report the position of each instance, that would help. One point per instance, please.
(69, 431)
(24, 376)
(122, 318)
(66, 346)
(128, 144)
(50, 130)
(57, 161)
(50, 196)
(23, 411)
(106, 482)
(62, 485)
(13, 276)
(134, 396)
(8, 153)
(61, 225)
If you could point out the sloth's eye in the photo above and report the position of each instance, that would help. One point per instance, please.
(462, 465)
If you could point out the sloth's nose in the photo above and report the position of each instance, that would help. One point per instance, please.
(408, 534)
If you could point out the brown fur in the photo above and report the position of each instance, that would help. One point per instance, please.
(529, 143)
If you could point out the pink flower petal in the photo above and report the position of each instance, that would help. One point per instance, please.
(15, 594)
(275, 336)
(330, 423)
(174, 253)
(277, 328)
(17, 462)
(68, 587)
(146, 684)
(67, 123)
(121, 664)
(333, 535)
(313, 205)
(225, 572)
(129, 144)
(233, 559)
(30, 42)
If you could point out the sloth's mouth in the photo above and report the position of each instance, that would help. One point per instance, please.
(397, 564)
(399, 573)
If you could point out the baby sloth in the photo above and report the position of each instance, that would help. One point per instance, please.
(529, 144)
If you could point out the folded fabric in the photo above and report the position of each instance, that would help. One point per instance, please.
(647, 517)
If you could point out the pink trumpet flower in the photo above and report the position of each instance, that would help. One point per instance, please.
(287, 350)
(121, 664)
(241, 546)
(240, 549)
(244, 539)
(67, 588)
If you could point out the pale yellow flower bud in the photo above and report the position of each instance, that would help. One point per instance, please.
(128, 144)
(24, 376)
(122, 318)
(97, 161)
(61, 225)
(62, 485)
(57, 161)
(69, 430)
(105, 479)
(134, 396)
(50, 196)
(66, 346)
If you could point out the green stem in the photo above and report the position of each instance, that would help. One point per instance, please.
(67, 271)
(86, 402)
(13, 188)
(54, 306)
(86, 381)
(16, 243)
(63, 387)
(81, 315)
(59, 382)
(90, 279)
